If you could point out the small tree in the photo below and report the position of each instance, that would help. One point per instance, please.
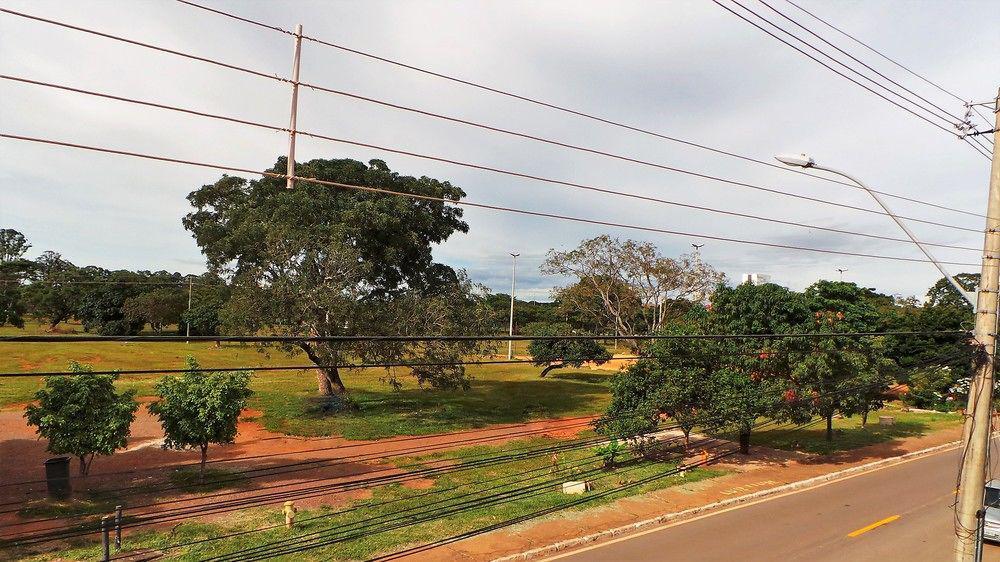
(82, 415)
(556, 354)
(198, 408)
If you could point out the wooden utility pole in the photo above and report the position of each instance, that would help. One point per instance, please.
(977, 430)
(289, 182)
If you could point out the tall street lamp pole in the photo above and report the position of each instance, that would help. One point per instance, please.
(977, 429)
(513, 278)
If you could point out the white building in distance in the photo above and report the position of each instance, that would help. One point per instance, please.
(756, 278)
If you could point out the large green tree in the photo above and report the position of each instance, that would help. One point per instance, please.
(82, 415)
(321, 261)
(14, 271)
(55, 290)
(209, 295)
(751, 372)
(158, 308)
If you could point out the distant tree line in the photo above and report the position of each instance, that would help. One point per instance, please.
(52, 289)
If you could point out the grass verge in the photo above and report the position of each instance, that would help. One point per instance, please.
(398, 515)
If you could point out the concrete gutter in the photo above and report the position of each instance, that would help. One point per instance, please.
(577, 542)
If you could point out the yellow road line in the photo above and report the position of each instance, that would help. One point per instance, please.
(874, 525)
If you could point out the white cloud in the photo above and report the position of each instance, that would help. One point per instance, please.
(686, 68)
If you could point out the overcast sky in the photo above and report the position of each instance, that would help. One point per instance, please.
(686, 69)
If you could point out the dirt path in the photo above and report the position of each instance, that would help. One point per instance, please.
(312, 471)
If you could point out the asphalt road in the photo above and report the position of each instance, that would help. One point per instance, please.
(898, 513)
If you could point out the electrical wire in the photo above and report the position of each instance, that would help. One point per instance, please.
(942, 112)
(235, 505)
(461, 338)
(459, 120)
(874, 50)
(512, 210)
(159, 516)
(839, 73)
(489, 168)
(564, 109)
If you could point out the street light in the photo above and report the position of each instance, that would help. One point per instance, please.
(841, 271)
(513, 277)
(803, 161)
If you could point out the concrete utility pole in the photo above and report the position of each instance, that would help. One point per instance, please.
(289, 182)
(513, 276)
(977, 430)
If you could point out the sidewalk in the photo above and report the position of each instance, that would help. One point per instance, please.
(764, 469)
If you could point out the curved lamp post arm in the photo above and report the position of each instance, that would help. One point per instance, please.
(806, 162)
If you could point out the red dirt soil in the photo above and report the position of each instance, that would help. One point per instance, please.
(317, 465)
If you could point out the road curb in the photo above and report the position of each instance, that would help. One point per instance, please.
(670, 517)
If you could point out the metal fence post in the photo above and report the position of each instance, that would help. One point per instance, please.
(105, 538)
(118, 527)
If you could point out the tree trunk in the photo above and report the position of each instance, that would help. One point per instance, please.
(687, 438)
(548, 368)
(864, 419)
(829, 427)
(83, 465)
(745, 441)
(327, 378)
(204, 457)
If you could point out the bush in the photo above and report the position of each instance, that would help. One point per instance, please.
(609, 452)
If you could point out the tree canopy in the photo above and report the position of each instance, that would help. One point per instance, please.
(197, 409)
(559, 353)
(627, 285)
(320, 261)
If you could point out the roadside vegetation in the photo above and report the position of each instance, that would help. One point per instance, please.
(364, 527)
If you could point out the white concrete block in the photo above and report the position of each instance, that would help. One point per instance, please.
(573, 487)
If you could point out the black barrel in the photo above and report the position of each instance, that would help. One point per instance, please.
(57, 478)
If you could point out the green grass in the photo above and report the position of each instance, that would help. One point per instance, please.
(192, 480)
(66, 508)
(499, 393)
(848, 433)
(370, 518)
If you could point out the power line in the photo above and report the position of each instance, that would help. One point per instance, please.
(876, 51)
(182, 284)
(944, 113)
(564, 109)
(493, 169)
(820, 51)
(467, 122)
(486, 206)
(452, 338)
(185, 512)
(839, 73)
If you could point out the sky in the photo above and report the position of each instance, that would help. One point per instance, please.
(687, 69)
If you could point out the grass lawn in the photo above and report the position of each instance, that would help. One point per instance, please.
(397, 516)
(499, 394)
(848, 433)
